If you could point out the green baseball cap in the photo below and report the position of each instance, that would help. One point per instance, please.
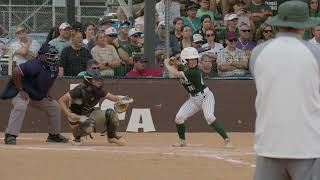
(294, 14)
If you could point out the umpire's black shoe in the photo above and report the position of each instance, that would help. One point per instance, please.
(57, 138)
(10, 139)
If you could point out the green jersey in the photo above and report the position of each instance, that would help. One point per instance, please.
(192, 82)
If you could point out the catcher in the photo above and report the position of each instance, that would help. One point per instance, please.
(81, 114)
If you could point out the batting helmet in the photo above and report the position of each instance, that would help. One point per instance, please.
(188, 53)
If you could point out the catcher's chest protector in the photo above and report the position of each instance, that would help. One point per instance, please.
(85, 104)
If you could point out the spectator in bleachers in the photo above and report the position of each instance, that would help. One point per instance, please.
(24, 48)
(91, 64)
(183, 7)
(89, 34)
(204, 9)
(273, 4)
(105, 53)
(231, 21)
(64, 38)
(126, 51)
(191, 20)
(243, 16)
(232, 61)
(177, 28)
(244, 41)
(215, 47)
(160, 48)
(52, 34)
(105, 23)
(314, 8)
(139, 68)
(73, 59)
(77, 26)
(123, 37)
(174, 10)
(139, 21)
(258, 11)
(208, 66)
(313, 12)
(186, 37)
(197, 41)
(206, 24)
(316, 35)
(264, 33)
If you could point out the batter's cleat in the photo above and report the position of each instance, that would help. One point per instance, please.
(180, 143)
(57, 138)
(10, 139)
(117, 141)
(228, 144)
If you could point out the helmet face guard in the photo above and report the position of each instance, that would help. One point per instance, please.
(90, 76)
(52, 58)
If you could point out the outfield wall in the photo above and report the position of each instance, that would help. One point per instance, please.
(156, 103)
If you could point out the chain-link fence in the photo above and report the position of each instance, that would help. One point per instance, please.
(38, 16)
(41, 17)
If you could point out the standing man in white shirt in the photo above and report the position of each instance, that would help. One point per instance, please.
(316, 35)
(286, 71)
(174, 10)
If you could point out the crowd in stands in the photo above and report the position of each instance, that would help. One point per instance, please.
(225, 44)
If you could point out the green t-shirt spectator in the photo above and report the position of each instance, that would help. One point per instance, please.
(253, 8)
(200, 13)
(195, 24)
(122, 70)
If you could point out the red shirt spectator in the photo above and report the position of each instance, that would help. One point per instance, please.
(139, 70)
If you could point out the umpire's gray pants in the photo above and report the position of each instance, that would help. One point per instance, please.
(51, 107)
(287, 169)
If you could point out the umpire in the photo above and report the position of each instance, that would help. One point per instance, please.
(30, 84)
(287, 76)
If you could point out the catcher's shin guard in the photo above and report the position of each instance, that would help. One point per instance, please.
(112, 123)
(85, 128)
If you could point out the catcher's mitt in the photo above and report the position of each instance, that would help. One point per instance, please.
(122, 104)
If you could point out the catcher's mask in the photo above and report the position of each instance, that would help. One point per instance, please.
(51, 56)
(93, 79)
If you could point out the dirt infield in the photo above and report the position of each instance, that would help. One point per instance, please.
(148, 156)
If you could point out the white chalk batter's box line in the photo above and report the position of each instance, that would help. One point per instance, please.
(218, 155)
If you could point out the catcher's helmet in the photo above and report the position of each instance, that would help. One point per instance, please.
(91, 74)
(52, 56)
(189, 53)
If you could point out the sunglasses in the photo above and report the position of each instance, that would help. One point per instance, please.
(267, 31)
(112, 35)
(208, 35)
(136, 35)
(246, 30)
(95, 68)
(233, 40)
(199, 42)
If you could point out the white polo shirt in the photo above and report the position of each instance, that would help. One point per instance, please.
(287, 76)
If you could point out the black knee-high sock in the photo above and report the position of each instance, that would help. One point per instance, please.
(219, 128)
(181, 129)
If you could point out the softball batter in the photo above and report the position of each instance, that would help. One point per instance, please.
(200, 95)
